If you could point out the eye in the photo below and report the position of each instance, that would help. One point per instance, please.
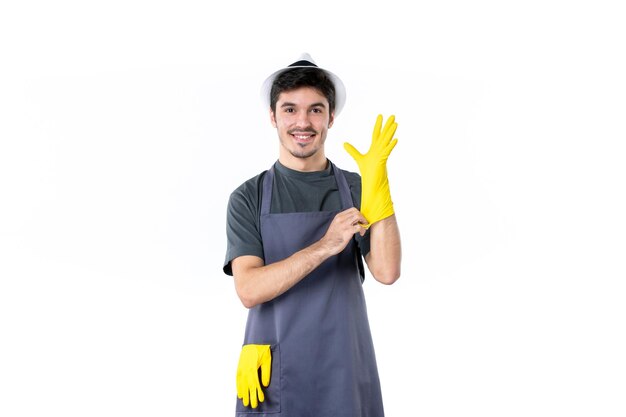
(289, 110)
(317, 110)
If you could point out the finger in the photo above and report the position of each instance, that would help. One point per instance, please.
(388, 134)
(266, 369)
(241, 390)
(357, 218)
(253, 385)
(361, 218)
(352, 151)
(358, 228)
(246, 398)
(242, 386)
(253, 400)
(260, 394)
(390, 147)
(348, 217)
(389, 124)
(377, 125)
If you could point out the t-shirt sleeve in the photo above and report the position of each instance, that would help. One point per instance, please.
(243, 235)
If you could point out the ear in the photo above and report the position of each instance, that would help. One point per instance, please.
(272, 118)
(331, 120)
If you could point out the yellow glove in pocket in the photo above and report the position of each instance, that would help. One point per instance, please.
(252, 358)
(376, 201)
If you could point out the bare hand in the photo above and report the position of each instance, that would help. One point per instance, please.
(342, 230)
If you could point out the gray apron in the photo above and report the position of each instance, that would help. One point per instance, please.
(323, 362)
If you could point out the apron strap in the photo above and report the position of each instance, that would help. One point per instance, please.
(344, 189)
(268, 182)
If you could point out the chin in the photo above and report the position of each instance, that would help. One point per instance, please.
(303, 154)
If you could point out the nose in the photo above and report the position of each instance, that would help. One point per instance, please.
(302, 119)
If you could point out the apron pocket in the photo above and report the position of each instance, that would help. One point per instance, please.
(272, 392)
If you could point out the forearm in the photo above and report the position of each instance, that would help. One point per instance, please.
(260, 283)
(385, 254)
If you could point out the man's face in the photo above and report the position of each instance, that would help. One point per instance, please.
(302, 119)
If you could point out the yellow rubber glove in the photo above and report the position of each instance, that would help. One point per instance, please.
(376, 201)
(252, 358)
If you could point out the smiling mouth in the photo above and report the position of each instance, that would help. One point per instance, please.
(304, 137)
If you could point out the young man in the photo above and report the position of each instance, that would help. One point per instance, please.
(296, 239)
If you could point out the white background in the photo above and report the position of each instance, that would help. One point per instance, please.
(125, 125)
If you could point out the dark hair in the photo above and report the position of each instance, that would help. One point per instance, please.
(303, 77)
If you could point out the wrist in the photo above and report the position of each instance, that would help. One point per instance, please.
(322, 249)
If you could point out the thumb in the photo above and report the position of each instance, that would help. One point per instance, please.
(352, 151)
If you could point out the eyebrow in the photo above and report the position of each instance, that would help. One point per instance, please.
(289, 104)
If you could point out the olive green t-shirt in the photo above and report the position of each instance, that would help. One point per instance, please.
(293, 191)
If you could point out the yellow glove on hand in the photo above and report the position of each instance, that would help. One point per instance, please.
(252, 358)
(376, 201)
